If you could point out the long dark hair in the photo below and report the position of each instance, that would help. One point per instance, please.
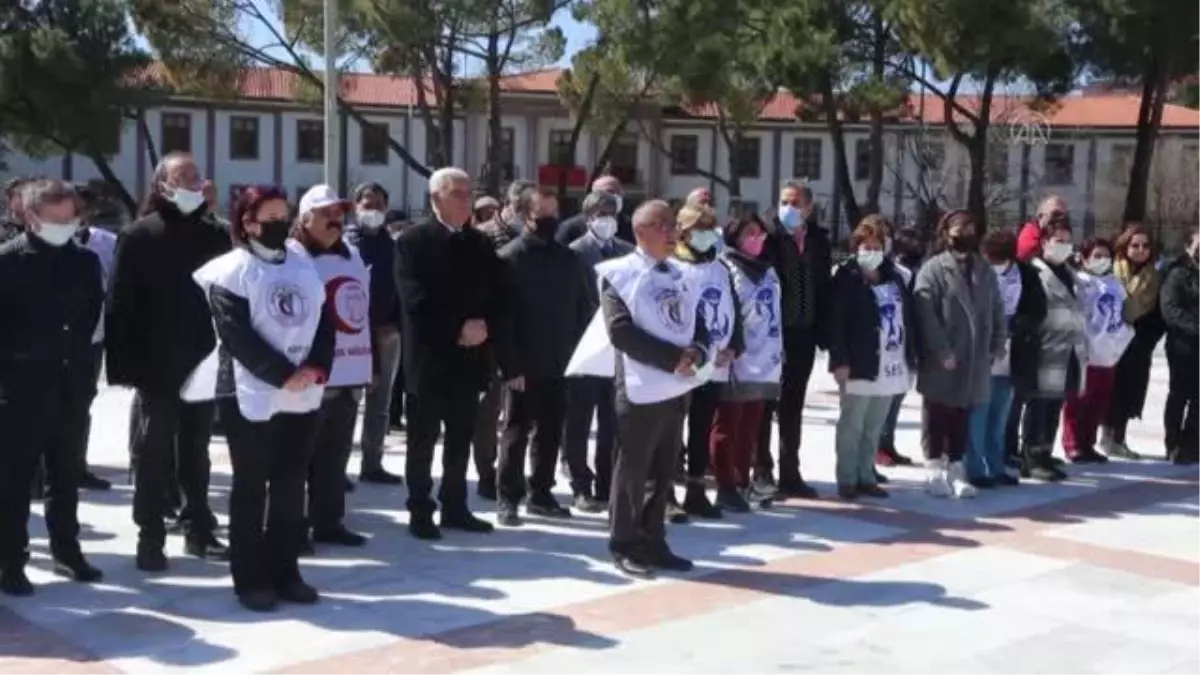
(949, 221)
(248, 203)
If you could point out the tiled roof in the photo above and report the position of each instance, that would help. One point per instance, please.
(1112, 110)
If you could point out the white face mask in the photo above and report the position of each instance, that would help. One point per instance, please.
(869, 260)
(185, 200)
(604, 227)
(57, 234)
(1098, 266)
(1057, 252)
(370, 219)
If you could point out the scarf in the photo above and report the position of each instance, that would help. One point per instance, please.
(1141, 287)
(688, 254)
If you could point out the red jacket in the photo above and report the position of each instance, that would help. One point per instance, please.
(1029, 241)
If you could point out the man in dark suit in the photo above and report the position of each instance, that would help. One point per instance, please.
(576, 226)
(452, 297)
(799, 250)
(588, 395)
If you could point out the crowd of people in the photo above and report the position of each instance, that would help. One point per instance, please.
(503, 330)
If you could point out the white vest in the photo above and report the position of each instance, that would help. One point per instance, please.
(716, 307)
(664, 305)
(1107, 333)
(347, 294)
(762, 333)
(285, 301)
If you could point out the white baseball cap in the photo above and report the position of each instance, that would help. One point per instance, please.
(320, 196)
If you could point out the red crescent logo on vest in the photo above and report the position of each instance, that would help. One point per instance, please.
(348, 299)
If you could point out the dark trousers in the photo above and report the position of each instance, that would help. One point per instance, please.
(174, 495)
(396, 409)
(541, 408)
(266, 504)
(650, 437)
(456, 406)
(789, 411)
(1012, 428)
(85, 429)
(45, 431)
(887, 439)
(1040, 426)
(1180, 410)
(732, 443)
(334, 439)
(702, 408)
(1083, 411)
(487, 427)
(585, 396)
(169, 426)
(945, 429)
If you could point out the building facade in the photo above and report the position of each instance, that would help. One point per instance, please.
(1080, 150)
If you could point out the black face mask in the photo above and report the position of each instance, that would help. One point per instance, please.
(964, 243)
(274, 233)
(545, 227)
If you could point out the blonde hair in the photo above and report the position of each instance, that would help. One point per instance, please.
(695, 215)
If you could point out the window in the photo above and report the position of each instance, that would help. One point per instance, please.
(561, 152)
(806, 158)
(862, 159)
(932, 156)
(998, 164)
(742, 207)
(1191, 160)
(243, 137)
(685, 154)
(623, 159)
(1122, 161)
(176, 132)
(310, 141)
(749, 156)
(1060, 164)
(507, 154)
(373, 139)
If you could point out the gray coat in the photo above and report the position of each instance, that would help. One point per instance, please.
(960, 319)
(1063, 334)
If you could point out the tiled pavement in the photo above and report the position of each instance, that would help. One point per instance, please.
(1098, 574)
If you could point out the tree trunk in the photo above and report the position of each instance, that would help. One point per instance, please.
(581, 118)
(602, 158)
(110, 177)
(841, 164)
(732, 139)
(875, 161)
(1154, 94)
(151, 148)
(495, 130)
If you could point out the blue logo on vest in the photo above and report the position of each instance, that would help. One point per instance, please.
(710, 313)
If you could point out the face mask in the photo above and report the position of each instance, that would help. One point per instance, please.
(1000, 270)
(1098, 266)
(1057, 252)
(703, 240)
(274, 233)
(57, 234)
(753, 246)
(545, 227)
(963, 243)
(604, 227)
(869, 260)
(186, 201)
(370, 219)
(789, 216)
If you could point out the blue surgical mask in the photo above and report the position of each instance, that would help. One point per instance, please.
(789, 216)
(869, 260)
(703, 240)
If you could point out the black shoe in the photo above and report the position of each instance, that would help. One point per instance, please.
(150, 557)
(731, 499)
(1046, 472)
(764, 482)
(675, 513)
(380, 477)
(874, 491)
(847, 493)
(982, 482)
(299, 593)
(1088, 456)
(633, 566)
(796, 489)
(339, 536)
(1179, 457)
(76, 568)
(1005, 480)
(423, 527)
(899, 459)
(90, 481)
(585, 503)
(880, 478)
(206, 547)
(1058, 462)
(349, 485)
(696, 503)
(664, 559)
(467, 522)
(546, 506)
(1012, 461)
(14, 582)
(486, 489)
(259, 601)
(507, 515)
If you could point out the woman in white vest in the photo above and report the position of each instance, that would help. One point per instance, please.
(273, 356)
(753, 377)
(697, 253)
(1108, 335)
(317, 235)
(872, 354)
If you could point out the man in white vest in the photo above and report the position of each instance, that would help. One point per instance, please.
(649, 303)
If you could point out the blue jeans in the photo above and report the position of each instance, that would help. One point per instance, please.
(989, 420)
(377, 410)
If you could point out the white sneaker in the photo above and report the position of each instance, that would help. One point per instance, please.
(959, 486)
(937, 483)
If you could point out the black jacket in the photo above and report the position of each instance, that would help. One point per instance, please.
(378, 252)
(444, 278)
(52, 298)
(815, 266)
(159, 327)
(551, 303)
(1025, 330)
(1179, 304)
(591, 252)
(576, 226)
(854, 321)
